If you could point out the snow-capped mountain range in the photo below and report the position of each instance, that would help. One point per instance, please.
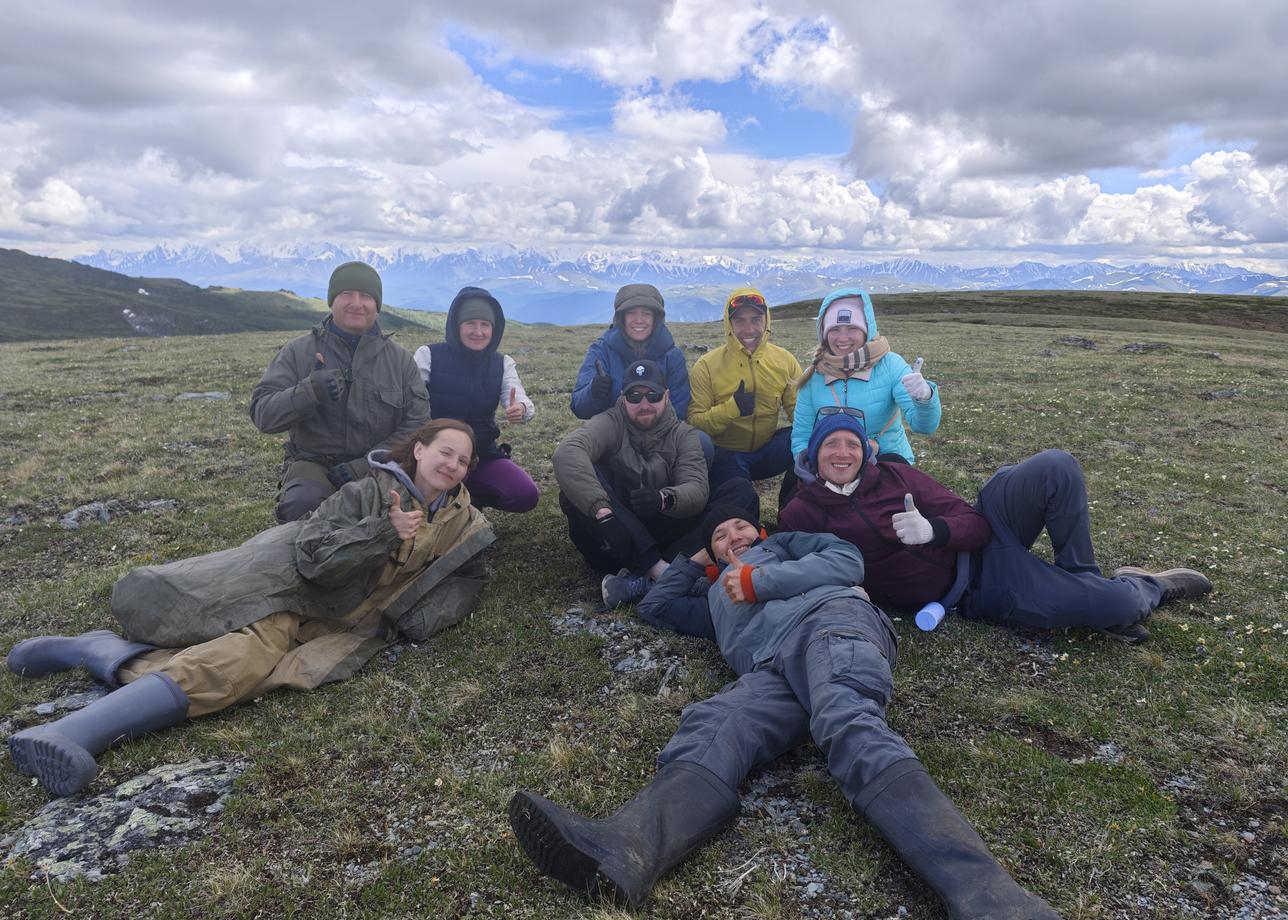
(537, 286)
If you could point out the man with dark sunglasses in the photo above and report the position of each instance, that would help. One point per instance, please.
(633, 485)
(740, 388)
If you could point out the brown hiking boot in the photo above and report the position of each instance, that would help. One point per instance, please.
(1176, 583)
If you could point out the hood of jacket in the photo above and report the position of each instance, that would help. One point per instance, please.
(453, 333)
(655, 347)
(868, 315)
(732, 339)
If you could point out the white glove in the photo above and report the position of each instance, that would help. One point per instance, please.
(916, 385)
(909, 526)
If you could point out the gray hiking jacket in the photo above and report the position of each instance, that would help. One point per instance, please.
(668, 455)
(383, 403)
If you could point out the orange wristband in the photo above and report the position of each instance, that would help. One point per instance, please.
(744, 578)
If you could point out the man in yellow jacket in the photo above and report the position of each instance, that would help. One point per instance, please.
(738, 390)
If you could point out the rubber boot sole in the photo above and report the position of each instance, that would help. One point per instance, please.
(62, 766)
(555, 855)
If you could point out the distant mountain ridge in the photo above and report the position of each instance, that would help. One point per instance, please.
(536, 286)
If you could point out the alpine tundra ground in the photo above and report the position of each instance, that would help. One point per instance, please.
(1116, 782)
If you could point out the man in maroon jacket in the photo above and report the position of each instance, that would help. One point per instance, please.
(913, 533)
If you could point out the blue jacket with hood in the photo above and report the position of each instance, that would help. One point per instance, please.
(614, 351)
(880, 397)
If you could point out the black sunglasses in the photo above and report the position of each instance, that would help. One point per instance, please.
(839, 410)
(636, 396)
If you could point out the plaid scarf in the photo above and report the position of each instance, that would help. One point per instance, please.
(856, 363)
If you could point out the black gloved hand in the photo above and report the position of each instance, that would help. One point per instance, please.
(746, 401)
(614, 537)
(602, 385)
(646, 502)
(340, 474)
(327, 384)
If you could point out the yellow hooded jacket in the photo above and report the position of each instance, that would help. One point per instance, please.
(770, 372)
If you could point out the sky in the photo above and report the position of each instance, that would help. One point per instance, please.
(953, 132)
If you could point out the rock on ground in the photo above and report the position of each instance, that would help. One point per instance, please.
(87, 837)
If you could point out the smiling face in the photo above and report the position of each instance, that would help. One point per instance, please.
(842, 340)
(354, 311)
(442, 463)
(476, 334)
(644, 414)
(637, 323)
(732, 536)
(840, 458)
(748, 327)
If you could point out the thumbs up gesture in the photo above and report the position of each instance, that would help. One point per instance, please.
(745, 401)
(405, 522)
(909, 526)
(601, 386)
(514, 408)
(916, 385)
(731, 580)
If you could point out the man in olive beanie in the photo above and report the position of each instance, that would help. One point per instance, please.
(339, 391)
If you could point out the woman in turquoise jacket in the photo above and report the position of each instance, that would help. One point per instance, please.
(855, 367)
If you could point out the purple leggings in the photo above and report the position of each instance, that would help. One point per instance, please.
(500, 483)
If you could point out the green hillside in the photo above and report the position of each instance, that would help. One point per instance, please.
(56, 299)
(1030, 308)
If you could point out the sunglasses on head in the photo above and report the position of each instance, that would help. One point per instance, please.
(839, 410)
(747, 300)
(637, 396)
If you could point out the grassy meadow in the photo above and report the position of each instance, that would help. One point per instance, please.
(1116, 782)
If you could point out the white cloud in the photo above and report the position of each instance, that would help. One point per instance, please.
(667, 121)
(154, 122)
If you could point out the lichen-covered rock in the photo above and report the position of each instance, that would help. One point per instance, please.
(87, 836)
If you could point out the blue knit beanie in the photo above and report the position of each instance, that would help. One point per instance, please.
(830, 424)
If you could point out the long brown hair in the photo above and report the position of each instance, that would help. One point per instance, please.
(404, 454)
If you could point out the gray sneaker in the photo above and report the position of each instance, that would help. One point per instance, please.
(624, 588)
(1176, 583)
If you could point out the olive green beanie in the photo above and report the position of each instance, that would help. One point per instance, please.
(354, 276)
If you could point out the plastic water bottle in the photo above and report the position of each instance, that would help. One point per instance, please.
(930, 616)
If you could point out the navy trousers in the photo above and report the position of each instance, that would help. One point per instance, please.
(831, 679)
(1015, 587)
(772, 458)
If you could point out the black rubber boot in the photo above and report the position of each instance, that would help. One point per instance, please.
(101, 652)
(61, 754)
(622, 856)
(937, 843)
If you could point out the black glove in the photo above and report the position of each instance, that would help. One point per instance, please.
(746, 401)
(602, 385)
(646, 502)
(615, 538)
(340, 474)
(327, 384)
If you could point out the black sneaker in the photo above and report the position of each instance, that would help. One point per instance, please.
(1177, 584)
(1130, 634)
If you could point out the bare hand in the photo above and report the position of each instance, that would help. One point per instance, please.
(514, 409)
(701, 557)
(731, 580)
(406, 523)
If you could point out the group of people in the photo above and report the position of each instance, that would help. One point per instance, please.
(389, 456)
